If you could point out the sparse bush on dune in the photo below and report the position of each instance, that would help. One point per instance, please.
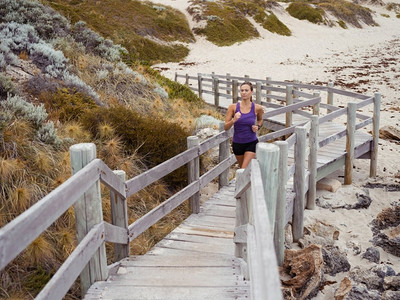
(305, 11)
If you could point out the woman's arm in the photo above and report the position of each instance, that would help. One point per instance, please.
(231, 117)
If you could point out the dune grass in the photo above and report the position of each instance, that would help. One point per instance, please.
(143, 28)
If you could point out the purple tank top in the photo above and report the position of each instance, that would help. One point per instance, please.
(242, 132)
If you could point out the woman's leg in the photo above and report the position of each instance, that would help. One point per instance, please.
(247, 157)
(239, 159)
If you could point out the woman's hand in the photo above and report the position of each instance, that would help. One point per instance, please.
(254, 128)
(237, 116)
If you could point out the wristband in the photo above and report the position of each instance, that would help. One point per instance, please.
(259, 126)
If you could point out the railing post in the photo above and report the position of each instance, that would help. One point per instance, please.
(200, 84)
(268, 158)
(194, 174)
(119, 217)
(216, 91)
(228, 85)
(330, 96)
(279, 233)
(258, 92)
(235, 86)
(299, 179)
(350, 136)
(176, 77)
(223, 154)
(187, 79)
(295, 88)
(289, 101)
(88, 212)
(268, 91)
(242, 218)
(312, 163)
(375, 135)
(316, 105)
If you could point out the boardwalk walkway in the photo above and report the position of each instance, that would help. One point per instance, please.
(195, 261)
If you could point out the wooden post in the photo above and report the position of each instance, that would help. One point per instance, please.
(289, 101)
(330, 96)
(88, 213)
(200, 85)
(223, 154)
(295, 87)
(268, 158)
(268, 91)
(228, 85)
(279, 233)
(194, 174)
(119, 217)
(316, 105)
(351, 129)
(187, 79)
(375, 135)
(242, 218)
(176, 77)
(246, 76)
(299, 179)
(216, 91)
(258, 92)
(235, 86)
(312, 163)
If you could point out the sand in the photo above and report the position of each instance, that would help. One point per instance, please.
(364, 60)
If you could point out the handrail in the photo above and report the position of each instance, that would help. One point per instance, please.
(60, 199)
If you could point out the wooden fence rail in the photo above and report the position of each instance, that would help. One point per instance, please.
(265, 203)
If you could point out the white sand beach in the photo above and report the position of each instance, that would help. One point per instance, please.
(366, 59)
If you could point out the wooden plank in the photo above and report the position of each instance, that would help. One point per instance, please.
(65, 276)
(179, 276)
(217, 170)
(125, 292)
(111, 180)
(176, 236)
(141, 181)
(149, 219)
(204, 232)
(196, 247)
(116, 234)
(30, 224)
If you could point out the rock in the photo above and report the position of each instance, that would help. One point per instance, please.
(392, 283)
(329, 184)
(363, 201)
(288, 236)
(360, 292)
(391, 246)
(344, 288)
(391, 295)
(355, 246)
(389, 132)
(319, 233)
(334, 260)
(370, 279)
(305, 270)
(372, 254)
(383, 270)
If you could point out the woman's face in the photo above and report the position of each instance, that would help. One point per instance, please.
(245, 92)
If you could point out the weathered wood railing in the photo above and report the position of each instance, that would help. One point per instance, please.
(290, 99)
(82, 190)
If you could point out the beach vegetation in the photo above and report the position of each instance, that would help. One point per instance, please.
(271, 22)
(342, 24)
(349, 12)
(145, 30)
(306, 11)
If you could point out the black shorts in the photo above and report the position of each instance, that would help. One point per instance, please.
(240, 149)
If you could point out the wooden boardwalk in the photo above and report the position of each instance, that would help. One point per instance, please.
(195, 261)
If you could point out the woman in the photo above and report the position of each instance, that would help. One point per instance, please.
(246, 119)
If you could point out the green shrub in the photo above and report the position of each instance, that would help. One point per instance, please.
(226, 25)
(349, 12)
(155, 139)
(342, 24)
(6, 85)
(273, 24)
(304, 11)
(66, 104)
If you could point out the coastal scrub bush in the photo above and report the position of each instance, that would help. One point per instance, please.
(349, 12)
(6, 85)
(155, 139)
(271, 22)
(227, 26)
(46, 21)
(136, 27)
(305, 11)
